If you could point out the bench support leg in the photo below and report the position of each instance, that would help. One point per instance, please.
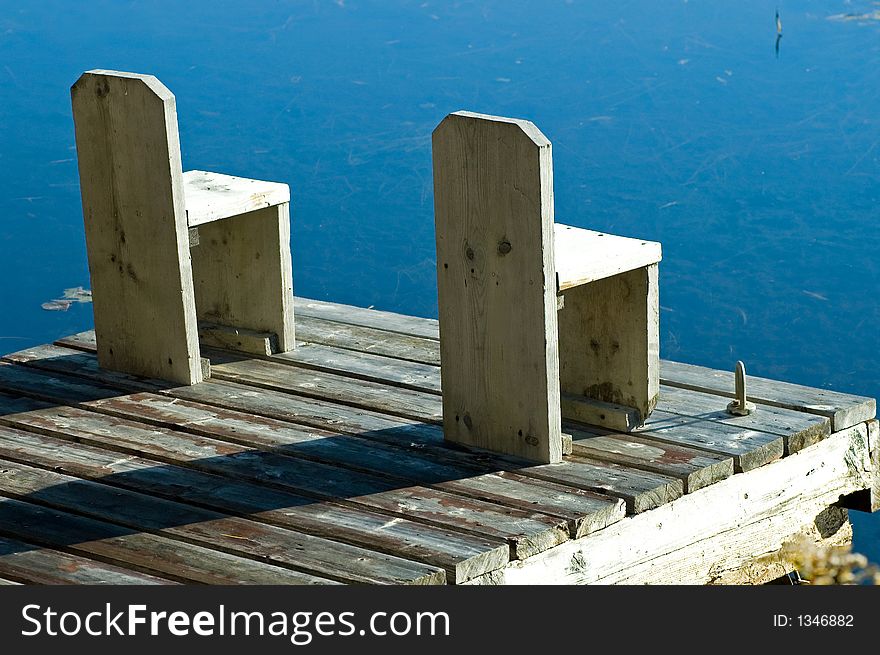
(609, 349)
(243, 276)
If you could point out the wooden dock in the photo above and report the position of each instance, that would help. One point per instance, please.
(214, 429)
(327, 464)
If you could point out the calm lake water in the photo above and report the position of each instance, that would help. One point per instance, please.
(758, 168)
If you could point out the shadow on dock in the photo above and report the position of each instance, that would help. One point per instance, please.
(82, 462)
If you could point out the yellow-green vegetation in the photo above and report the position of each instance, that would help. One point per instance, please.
(829, 565)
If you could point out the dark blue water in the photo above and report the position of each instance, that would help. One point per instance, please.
(674, 121)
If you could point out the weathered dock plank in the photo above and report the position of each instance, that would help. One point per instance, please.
(868, 500)
(844, 410)
(640, 489)
(58, 374)
(89, 382)
(586, 511)
(695, 468)
(364, 366)
(757, 456)
(581, 509)
(463, 556)
(28, 563)
(232, 549)
(456, 473)
(685, 427)
(702, 537)
(749, 448)
(368, 339)
(582, 512)
(375, 318)
(258, 451)
(327, 386)
(650, 490)
(799, 429)
(120, 546)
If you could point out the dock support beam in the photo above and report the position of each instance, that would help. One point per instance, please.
(868, 500)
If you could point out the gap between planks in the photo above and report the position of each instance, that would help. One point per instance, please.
(526, 531)
(641, 490)
(766, 447)
(844, 410)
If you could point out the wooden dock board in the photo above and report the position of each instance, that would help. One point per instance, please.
(337, 442)
(461, 555)
(360, 393)
(217, 548)
(364, 366)
(695, 468)
(844, 410)
(650, 490)
(799, 429)
(719, 534)
(120, 546)
(389, 321)
(526, 531)
(28, 563)
(368, 339)
(686, 426)
(776, 416)
(749, 448)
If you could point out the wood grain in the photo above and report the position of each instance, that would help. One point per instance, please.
(368, 339)
(328, 386)
(493, 212)
(798, 429)
(135, 225)
(526, 531)
(247, 551)
(27, 563)
(609, 343)
(121, 546)
(642, 490)
(695, 468)
(213, 196)
(243, 275)
(584, 256)
(368, 317)
(697, 539)
(868, 500)
(844, 410)
(461, 555)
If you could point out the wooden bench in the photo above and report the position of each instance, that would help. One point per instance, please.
(538, 320)
(170, 252)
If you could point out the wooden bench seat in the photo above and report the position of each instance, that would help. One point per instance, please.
(584, 256)
(214, 196)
